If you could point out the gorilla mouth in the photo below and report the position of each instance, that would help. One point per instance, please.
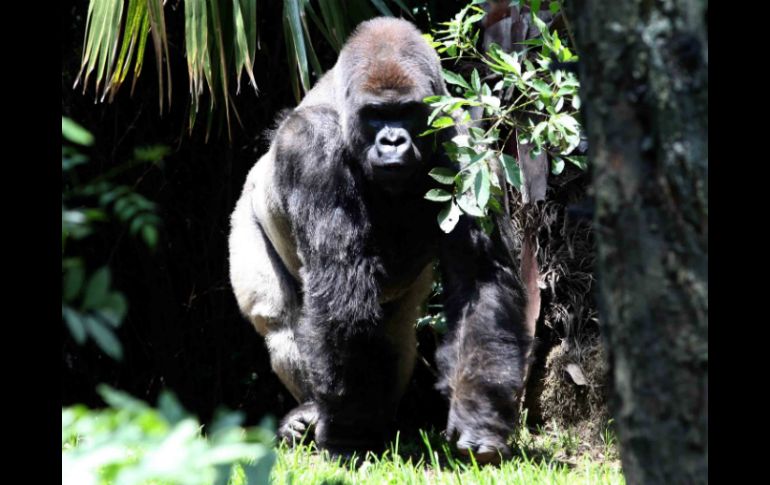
(391, 173)
(392, 164)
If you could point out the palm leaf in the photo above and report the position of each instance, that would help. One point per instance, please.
(219, 36)
(293, 22)
(136, 30)
(245, 26)
(160, 43)
(220, 60)
(101, 43)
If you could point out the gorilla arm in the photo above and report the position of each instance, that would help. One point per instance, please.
(349, 358)
(482, 360)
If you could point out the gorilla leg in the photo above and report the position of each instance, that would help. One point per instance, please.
(267, 294)
(359, 375)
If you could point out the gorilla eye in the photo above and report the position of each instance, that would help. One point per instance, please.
(406, 115)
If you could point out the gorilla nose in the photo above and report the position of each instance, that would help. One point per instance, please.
(392, 142)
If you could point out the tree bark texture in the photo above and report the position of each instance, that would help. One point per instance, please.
(644, 77)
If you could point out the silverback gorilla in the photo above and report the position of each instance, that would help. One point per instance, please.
(332, 248)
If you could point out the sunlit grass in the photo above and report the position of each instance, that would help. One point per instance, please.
(542, 456)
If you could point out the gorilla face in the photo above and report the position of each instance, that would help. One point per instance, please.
(393, 151)
(382, 77)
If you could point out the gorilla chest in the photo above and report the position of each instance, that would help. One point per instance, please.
(405, 248)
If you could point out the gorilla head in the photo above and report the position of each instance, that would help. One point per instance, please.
(331, 254)
(383, 73)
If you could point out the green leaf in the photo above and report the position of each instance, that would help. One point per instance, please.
(538, 130)
(554, 7)
(559, 104)
(150, 236)
(151, 153)
(104, 337)
(449, 216)
(73, 282)
(543, 88)
(464, 182)
(114, 309)
(101, 45)
(487, 225)
(491, 101)
(75, 324)
(121, 400)
(481, 186)
(137, 27)
(579, 160)
(438, 195)
(557, 165)
(443, 175)
(443, 122)
(511, 62)
(495, 206)
(75, 133)
(467, 203)
(170, 407)
(553, 134)
(96, 291)
(293, 21)
(512, 171)
(456, 79)
(476, 80)
(434, 99)
(160, 44)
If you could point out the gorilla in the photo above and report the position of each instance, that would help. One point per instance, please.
(332, 249)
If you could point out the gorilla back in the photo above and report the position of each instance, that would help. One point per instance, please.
(331, 250)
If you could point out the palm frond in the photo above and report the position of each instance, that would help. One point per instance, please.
(218, 37)
(137, 29)
(221, 38)
(102, 36)
(160, 42)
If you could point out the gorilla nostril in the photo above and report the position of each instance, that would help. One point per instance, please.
(394, 139)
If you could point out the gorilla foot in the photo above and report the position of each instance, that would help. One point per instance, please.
(298, 425)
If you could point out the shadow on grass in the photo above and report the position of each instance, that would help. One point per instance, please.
(430, 449)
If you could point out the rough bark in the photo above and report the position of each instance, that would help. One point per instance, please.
(644, 75)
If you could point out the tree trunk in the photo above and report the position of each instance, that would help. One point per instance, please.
(644, 75)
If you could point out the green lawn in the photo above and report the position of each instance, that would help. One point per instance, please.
(132, 443)
(552, 457)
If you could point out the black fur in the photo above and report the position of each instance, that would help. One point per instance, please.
(357, 240)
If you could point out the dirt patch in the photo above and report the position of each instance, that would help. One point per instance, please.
(574, 390)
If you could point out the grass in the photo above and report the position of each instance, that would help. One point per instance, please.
(551, 455)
